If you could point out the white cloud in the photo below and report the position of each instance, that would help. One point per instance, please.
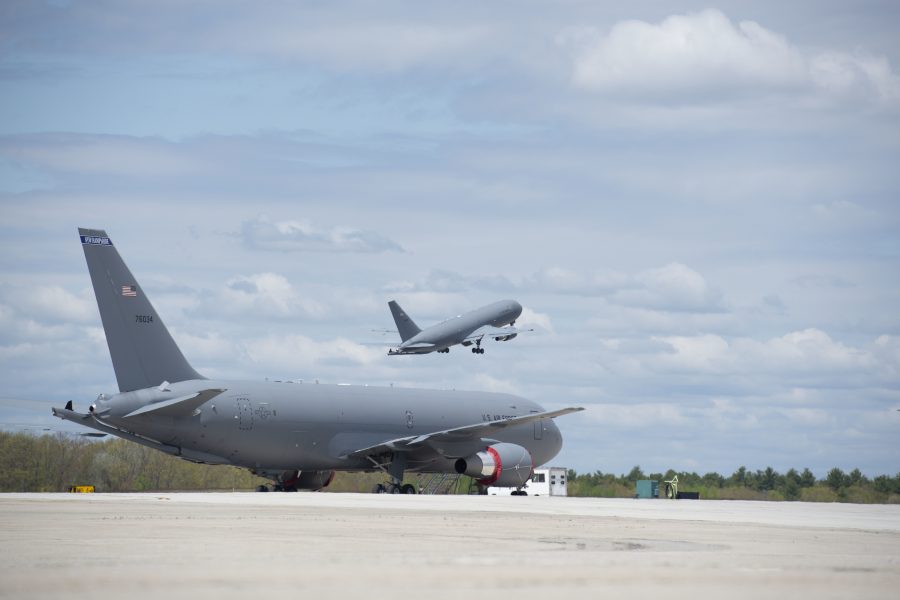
(809, 351)
(697, 353)
(303, 236)
(53, 303)
(533, 319)
(41, 313)
(567, 281)
(206, 349)
(886, 349)
(856, 75)
(636, 416)
(704, 57)
(266, 294)
(489, 383)
(673, 287)
(298, 355)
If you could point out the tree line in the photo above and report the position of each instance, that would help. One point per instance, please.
(744, 484)
(52, 463)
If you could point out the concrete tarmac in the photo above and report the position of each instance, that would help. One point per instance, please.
(244, 545)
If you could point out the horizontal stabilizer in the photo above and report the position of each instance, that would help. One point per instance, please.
(89, 420)
(84, 419)
(67, 414)
(177, 407)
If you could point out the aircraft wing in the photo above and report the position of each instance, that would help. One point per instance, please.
(457, 434)
(497, 333)
(419, 348)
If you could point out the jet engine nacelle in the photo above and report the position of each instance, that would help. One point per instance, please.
(314, 480)
(291, 481)
(501, 465)
(505, 338)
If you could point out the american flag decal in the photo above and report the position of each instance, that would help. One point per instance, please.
(129, 290)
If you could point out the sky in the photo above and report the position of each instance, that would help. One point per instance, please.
(695, 202)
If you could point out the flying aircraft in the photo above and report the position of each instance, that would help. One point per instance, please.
(296, 434)
(466, 329)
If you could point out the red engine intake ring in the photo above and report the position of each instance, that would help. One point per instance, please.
(496, 474)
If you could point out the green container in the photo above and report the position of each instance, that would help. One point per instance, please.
(647, 488)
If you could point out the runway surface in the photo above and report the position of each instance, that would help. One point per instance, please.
(241, 545)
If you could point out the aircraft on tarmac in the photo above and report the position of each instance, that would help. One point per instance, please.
(296, 434)
(466, 329)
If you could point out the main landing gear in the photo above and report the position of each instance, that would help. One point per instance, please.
(392, 466)
(393, 488)
(477, 350)
(518, 493)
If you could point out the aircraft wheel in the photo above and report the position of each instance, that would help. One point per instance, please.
(262, 488)
(378, 489)
(408, 489)
(395, 489)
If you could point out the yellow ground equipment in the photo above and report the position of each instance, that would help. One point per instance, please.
(81, 489)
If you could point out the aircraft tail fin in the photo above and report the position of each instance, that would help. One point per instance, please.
(142, 350)
(406, 326)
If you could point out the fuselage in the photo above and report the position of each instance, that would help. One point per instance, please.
(455, 330)
(304, 426)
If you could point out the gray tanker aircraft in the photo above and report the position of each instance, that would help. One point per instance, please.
(296, 434)
(466, 329)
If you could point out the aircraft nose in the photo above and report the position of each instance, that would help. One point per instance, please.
(553, 441)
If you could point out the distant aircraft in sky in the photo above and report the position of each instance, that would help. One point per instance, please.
(297, 435)
(467, 329)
